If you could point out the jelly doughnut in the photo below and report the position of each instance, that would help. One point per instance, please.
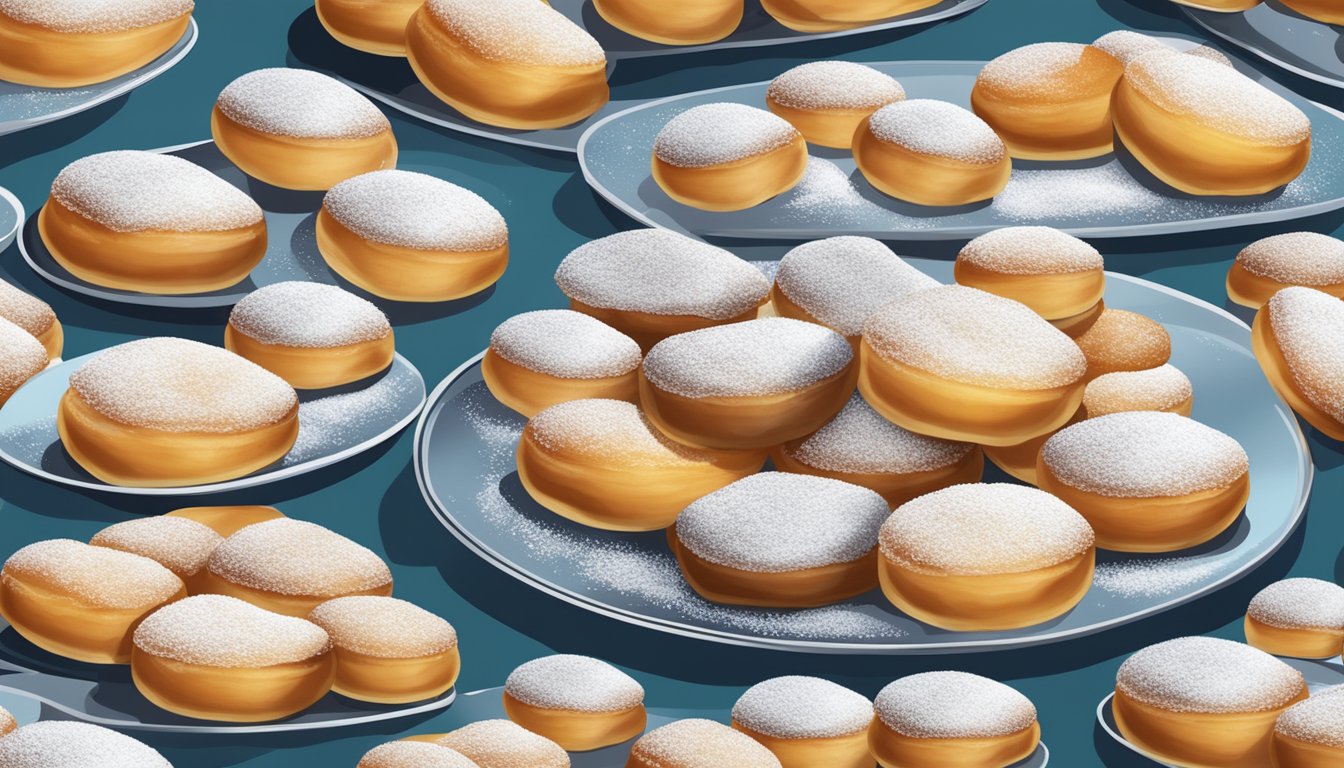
(1126, 45)
(937, 719)
(696, 743)
(579, 702)
(1296, 337)
(412, 237)
(177, 543)
(538, 359)
(1297, 617)
(72, 43)
(510, 63)
(689, 23)
(82, 602)
(1207, 129)
(1310, 734)
(1324, 11)
(828, 100)
(1147, 481)
(1120, 340)
(962, 364)
(807, 721)
(986, 556)
(142, 221)
(7, 722)
(749, 385)
(832, 15)
(69, 744)
(387, 650)
(299, 129)
(373, 27)
(503, 744)
(780, 539)
(1273, 263)
(21, 358)
(215, 657)
(727, 157)
(1053, 272)
(311, 335)
(1163, 388)
(226, 521)
(1204, 701)
(414, 754)
(651, 283)
(34, 316)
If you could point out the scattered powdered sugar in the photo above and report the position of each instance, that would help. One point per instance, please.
(296, 557)
(1317, 720)
(223, 631)
(1030, 251)
(565, 344)
(133, 191)
(308, 315)
(953, 705)
(1147, 577)
(1207, 675)
(1299, 604)
(1157, 389)
(22, 356)
(1296, 258)
(1124, 340)
(1093, 193)
(860, 440)
(938, 128)
(96, 576)
(68, 744)
(504, 744)
(302, 104)
(25, 310)
(179, 544)
(696, 742)
(416, 210)
(87, 17)
(795, 707)
(720, 133)
(574, 683)
(519, 31)
(1308, 326)
(334, 422)
(383, 627)
(1052, 72)
(613, 430)
(1125, 45)
(840, 281)
(834, 85)
(414, 754)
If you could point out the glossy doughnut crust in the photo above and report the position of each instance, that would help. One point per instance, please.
(373, 27)
(806, 588)
(313, 367)
(389, 677)
(1326, 11)
(1059, 297)
(47, 58)
(693, 21)
(831, 15)
(895, 750)
(578, 731)
(926, 179)
(849, 751)
(1276, 369)
(1296, 642)
(301, 163)
(1293, 753)
(530, 392)
(736, 185)
(1231, 739)
(233, 694)
(227, 520)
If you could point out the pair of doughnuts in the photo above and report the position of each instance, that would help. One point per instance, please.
(828, 100)
(1307, 734)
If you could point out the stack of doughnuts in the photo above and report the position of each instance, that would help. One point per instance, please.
(1273, 263)
(1054, 273)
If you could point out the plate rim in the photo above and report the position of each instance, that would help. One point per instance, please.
(19, 211)
(1193, 14)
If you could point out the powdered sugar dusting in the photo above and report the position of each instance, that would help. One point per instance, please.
(1317, 720)
(1150, 577)
(720, 133)
(295, 557)
(840, 85)
(796, 707)
(1049, 72)
(1208, 675)
(96, 576)
(179, 544)
(1309, 328)
(518, 31)
(68, 744)
(840, 281)
(938, 128)
(1299, 604)
(698, 742)
(1156, 389)
(953, 705)
(1296, 258)
(565, 344)
(611, 430)
(1125, 45)
(506, 745)
(860, 440)
(383, 627)
(574, 683)
(222, 631)
(1030, 251)
(416, 210)
(308, 315)
(25, 310)
(94, 16)
(414, 754)
(21, 356)
(302, 104)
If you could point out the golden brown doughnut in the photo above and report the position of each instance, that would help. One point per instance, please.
(579, 702)
(1163, 388)
(73, 744)
(831, 15)
(696, 743)
(227, 520)
(951, 720)
(373, 27)
(414, 754)
(387, 650)
(828, 100)
(1020, 460)
(1078, 324)
(502, 744)
(807, 721)
(1273, 263)
(177, 543)
(21, 358)
(1297, 617)
(691, 22)
(34, 316)
(1059, 276)
(1120, 340)
(1324, 11)
(1296, 341)
(1308, 734)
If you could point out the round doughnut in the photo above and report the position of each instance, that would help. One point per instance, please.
(807, 721)
(1205, 128)
(1120, 340)
(696, 743)
(34, 316)
(1126, 45)
(510, 63)
(82, 602)
(226, 521)
(412, 237)
(727, 157)
(1163, 388)
(290, 566)
(832, 15)
(1273, 263)
(373, 27)
(1020, 460)
(579, 702)
(1053, 272)
(1323, 11)
(164, 412)
(7, 722)
(936, 719)
(652, 283)
(1204, 701)
(931, 153)
(828, 100)
(1310, 734)
(601, 463)
(21, 358)
(538, 359)
(414, 754)
(299, 129)
(215, 657)
(691, 23)
(1147, 481)
(985, 557)
(962, 364)
(778, 539)
(749, 385)
(387, 650)
(1297, 617)
(70, 744)
(1298, 338)
(503, 744)
(177, 543)
(859, 446)
(73, 43)
(311, 335)
(142, 221)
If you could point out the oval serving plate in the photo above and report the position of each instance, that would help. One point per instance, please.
(464, 462)
(1303, 46)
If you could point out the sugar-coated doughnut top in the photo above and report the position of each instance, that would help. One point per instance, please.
(383, 627)
(1126, 340)
(21, 356)
(1210, 53)
(938, 128)
(25, 310)
(96, 576)
(1124, 44)
(223, 631)
(1144, 454)
(842, 85)
(94, 16)
(1299, 604)
(416, 210)
(796, 707)
(296, 557)
(176, 385)
(860, 440)
(565, 344)
(180, 544)
(974, 337)
(309, 315)
(574, 683)
(697, 743)
(984, 528)
(1208, 675)
(1030, 251)
(1296, 258)
(770, 356)
(1156, 389)
(414, 754)
(774, 522)
(614, 432)
(953, 705)
(68, 744)
(1316, 720)
(840, 281)
(1051, 72)
(659, 272)
(1308, 326)
(1217, 97)
(133, 191)
(504, 744)
(721, 133)
(518, 31)
(300, 104)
